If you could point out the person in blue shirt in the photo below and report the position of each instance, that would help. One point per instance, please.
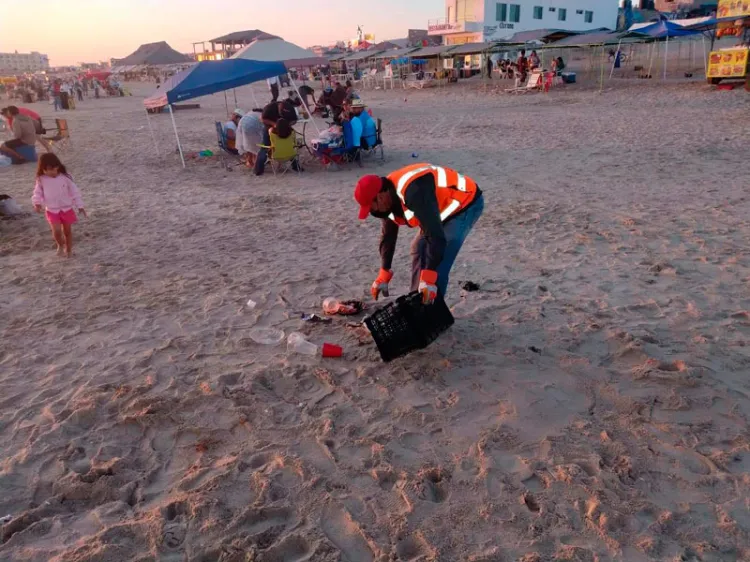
(366, 129)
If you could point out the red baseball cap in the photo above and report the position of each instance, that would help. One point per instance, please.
(365, 193)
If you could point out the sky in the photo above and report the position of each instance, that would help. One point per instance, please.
(75, 31)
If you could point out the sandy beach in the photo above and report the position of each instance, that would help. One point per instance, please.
(590, 404)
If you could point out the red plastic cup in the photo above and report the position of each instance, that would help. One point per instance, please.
(330, 350)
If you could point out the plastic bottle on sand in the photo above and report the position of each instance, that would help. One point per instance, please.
(297, 343)
(330, 305)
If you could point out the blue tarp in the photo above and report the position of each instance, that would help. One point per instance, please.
(209, 77)
(665, 28)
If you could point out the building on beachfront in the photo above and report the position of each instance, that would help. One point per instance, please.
(473, 21)
(19, 63)
(225, 46)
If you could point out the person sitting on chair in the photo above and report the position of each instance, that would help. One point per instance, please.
(250, 134)
(24, 134)
(368, 129)
(230, 130)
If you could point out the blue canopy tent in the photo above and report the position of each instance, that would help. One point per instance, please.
(664, 29)
(209, 77)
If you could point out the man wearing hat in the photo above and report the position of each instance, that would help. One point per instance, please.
(442, 203)
(230, 129)
(364, 128)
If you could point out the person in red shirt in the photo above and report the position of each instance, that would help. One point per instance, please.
(7, 113)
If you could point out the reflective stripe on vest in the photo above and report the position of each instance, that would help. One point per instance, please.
(450, 197)
(448, 211)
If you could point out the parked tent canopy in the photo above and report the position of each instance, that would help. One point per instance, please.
(210, 77)
(281, 51)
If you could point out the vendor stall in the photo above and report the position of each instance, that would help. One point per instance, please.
(732, 63)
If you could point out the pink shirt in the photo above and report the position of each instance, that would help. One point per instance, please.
(57, 194)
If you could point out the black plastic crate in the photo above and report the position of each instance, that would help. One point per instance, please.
(407, 325)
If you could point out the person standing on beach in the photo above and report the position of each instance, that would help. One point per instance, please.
(442, 203)
(56, 193)
(273, 85)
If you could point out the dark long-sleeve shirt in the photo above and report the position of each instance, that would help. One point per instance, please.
(421, 200)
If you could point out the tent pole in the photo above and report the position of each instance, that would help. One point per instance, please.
(651, 51)
(705, 64)
(601, 72)
(614, 61)
(304, 103)
(153, 137)
(174, 126)
(666, 53)
(252, 91)
(226, 103)
(234, 91)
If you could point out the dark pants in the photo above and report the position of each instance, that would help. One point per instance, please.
(260, 160)
(274, 93)
(13, 145)
(456, 231)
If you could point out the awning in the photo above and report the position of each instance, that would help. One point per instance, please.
(361, 55)
(395, 53)
(471, 49)
(429, 52)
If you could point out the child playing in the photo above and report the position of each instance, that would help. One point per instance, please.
(59, 195)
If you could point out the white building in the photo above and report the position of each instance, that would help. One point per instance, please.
(19, 63)
(469, 21)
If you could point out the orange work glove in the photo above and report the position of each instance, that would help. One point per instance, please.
(428, 285)
(380, 285)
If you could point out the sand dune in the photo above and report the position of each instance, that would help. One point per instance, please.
(590, 404)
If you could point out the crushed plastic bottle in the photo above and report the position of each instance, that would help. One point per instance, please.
(267, 336)
(251, 304)
(331, 305)
(297, 343)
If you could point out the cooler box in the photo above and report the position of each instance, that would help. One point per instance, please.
(568, 77)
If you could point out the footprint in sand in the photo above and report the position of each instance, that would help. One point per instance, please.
(434, 486)
(292, 549)
(346, 535)
(413, 548)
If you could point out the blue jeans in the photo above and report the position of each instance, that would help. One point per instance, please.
(58, 103)
(260, 161)
(456, 230)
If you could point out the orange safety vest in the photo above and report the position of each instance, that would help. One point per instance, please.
(454, 191)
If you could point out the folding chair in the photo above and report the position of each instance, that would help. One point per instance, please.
(221, 139)
(282, 154)
(62, 137)
(378, 142)
(534, 83)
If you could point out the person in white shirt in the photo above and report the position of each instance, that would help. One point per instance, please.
(273, 85)
(230, 129)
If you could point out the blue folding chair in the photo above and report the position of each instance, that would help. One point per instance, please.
(221, 138)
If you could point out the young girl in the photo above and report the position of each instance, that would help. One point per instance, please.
(59, 195)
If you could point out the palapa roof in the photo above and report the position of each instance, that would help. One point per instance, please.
(247, 36)
(154, 54)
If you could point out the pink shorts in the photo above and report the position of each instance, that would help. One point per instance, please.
(62, 217)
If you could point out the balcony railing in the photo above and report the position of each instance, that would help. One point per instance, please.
(444, 21)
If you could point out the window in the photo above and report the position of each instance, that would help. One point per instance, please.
(515, 13)
(552, 9)
(562, 14)
(501, 12)
(538, 12)
(579, 12)
(588, 17)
